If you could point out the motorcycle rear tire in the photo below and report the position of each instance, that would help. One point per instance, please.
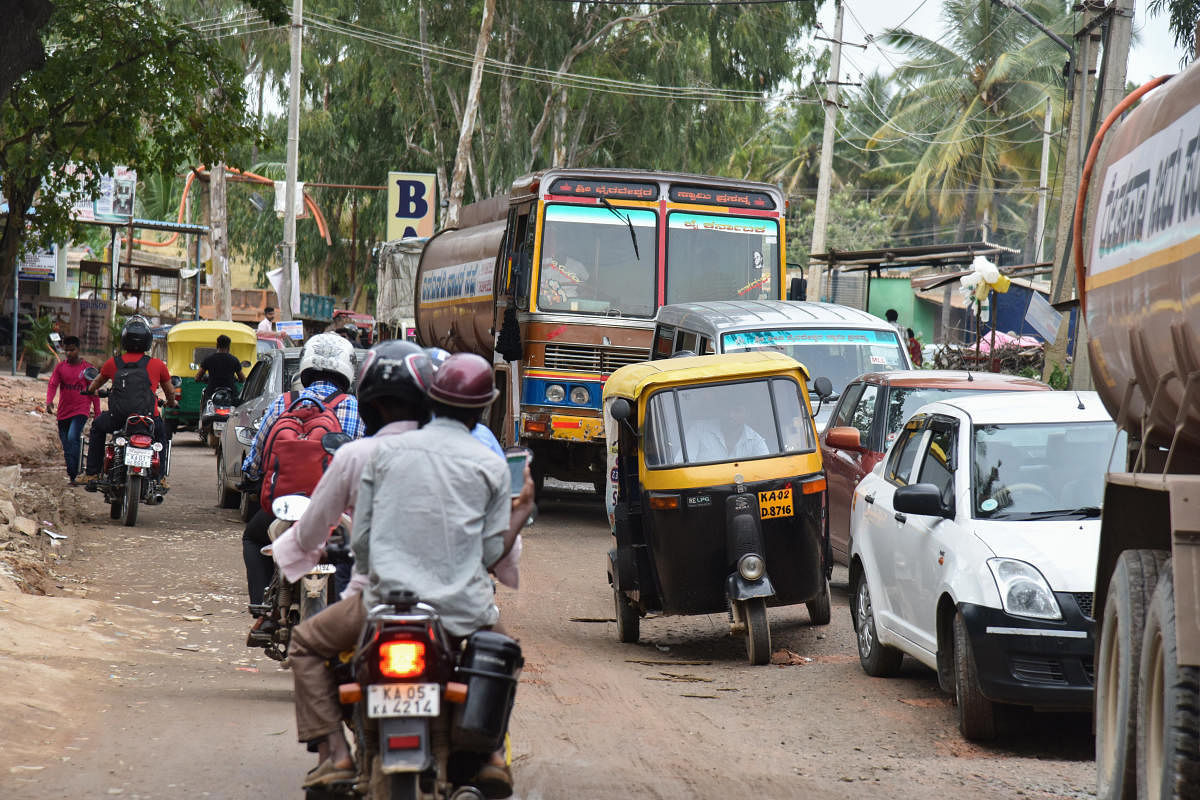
(133, 495)
(401, 786)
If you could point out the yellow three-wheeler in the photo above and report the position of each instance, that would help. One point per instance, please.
(188, 344)
(716, 492)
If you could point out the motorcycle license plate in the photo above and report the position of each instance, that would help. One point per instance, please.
(323, 569)
(403, 700)
(219, 426)
(775, 503)
(137, 457)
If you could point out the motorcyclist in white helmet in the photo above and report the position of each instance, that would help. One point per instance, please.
(326, 370)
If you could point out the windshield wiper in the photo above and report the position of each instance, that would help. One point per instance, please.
(604, 201)
(1089, 512)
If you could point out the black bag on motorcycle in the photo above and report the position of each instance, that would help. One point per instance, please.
(489, 666)
(131, 391)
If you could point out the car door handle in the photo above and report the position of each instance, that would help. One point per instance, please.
(900, 517)
(870, 498)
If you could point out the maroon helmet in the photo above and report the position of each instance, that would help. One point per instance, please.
(464, 380)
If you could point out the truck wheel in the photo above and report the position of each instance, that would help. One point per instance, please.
(820, 608)
(628, 619)
(877, 660)
(1168, 713)
(976, 714)
(1120, 650)
(758, 631)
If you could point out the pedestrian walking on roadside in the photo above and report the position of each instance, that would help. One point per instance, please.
(74, 407)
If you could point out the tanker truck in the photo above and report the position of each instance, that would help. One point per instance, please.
(557, 283)
(1140, 293)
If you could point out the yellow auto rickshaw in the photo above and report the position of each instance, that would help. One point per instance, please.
(716, 492)
(187, 345)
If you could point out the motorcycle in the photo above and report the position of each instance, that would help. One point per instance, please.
(130, 474)
(285, 603)
(425, 713)
(214, 416)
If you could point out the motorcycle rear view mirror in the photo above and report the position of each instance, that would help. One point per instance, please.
(245, 364)
(290, 507)
(90, 374)
(176, 381)
(332, 441)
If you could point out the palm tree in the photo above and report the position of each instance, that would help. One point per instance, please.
(969, 109)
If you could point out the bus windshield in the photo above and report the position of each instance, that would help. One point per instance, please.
(712, 257)
(589, 264)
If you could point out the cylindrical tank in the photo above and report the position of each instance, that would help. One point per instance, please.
(1143, 262)
(455, 300)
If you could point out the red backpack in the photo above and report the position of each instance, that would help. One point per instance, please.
(293, 458)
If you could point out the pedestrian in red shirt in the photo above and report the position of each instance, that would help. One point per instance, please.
(74, 407)
(135, 341)
(914, 349)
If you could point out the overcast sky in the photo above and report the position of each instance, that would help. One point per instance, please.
(1154, 52)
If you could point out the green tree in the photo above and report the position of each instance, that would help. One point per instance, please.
(971, 103)
(1183, 17)
(124, 83)
(856, 222)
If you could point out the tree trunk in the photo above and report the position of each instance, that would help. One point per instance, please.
(19, 199)
(458, 181)
(431, 98)
(218, 234)
(21, 48)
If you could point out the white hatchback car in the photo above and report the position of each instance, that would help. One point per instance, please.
(974, 546)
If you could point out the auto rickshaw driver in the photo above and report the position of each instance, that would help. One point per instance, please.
(724, 435)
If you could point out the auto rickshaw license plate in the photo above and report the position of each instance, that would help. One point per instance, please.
(775, 503)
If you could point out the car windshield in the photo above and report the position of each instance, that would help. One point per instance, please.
(727, 422)
(1042, 471)
(840, 355)
(903, 402)
(589, 264)
(713, 257)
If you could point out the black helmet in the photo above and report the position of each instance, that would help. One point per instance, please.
(136, 336)
(393, 370)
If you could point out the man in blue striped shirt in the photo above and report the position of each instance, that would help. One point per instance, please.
(326, 368)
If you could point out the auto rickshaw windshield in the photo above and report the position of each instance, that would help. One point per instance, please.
(726, 422)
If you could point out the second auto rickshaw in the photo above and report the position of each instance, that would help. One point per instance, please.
(189, 343)
(716, 492)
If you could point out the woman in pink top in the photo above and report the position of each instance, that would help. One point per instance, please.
(67, 380)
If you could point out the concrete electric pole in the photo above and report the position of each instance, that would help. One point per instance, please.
(824, 176)
(293, 154)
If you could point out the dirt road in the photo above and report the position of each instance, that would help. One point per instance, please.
(135, 682)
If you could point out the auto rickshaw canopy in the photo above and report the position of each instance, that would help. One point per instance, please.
(633, 381)
(190, 342)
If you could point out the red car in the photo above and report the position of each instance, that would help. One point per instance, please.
(868, 416)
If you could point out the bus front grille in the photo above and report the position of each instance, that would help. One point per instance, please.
(585, 358)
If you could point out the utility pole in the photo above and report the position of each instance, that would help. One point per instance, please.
(218, 233)
(293, 154)
(824, 175)
(1043, 187)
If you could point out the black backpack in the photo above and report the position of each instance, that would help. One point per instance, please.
(131, 392)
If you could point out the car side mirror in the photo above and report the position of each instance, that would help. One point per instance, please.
(621, 409)
(921, 498)
(823, 387)
(845, 439)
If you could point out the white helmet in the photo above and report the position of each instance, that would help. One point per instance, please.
(328, 352)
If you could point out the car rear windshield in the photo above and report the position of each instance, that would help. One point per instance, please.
(903, 402)
(727, 422)
(1037, 471)
(839, 354)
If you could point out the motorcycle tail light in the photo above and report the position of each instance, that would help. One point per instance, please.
(455, 692)
(349, 693)
(141, 440)
(222, 412)
(401, 659)
(403, 742)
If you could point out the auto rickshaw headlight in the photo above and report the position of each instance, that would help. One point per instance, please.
(555, 393)
(751, 566)
(580, 396)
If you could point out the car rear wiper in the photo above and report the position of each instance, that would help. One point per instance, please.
(624, 218)
(1089, 512)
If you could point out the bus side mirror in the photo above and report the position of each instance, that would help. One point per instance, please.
(621, 409)
(798, 290)
(823, 387)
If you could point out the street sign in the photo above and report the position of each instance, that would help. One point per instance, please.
(412, 205)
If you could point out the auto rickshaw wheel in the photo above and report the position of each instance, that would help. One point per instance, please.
(758, 631)
(820, 608)
(628, 619)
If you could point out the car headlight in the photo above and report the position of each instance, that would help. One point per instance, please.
(555, 393)
(1023, 590)
(580, 396)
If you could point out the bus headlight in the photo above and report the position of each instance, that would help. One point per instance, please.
(555, 393)
(580, 396)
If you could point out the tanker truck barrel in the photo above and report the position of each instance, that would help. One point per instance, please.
(455, 297)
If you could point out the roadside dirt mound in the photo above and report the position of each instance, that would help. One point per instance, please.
(28, 435)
